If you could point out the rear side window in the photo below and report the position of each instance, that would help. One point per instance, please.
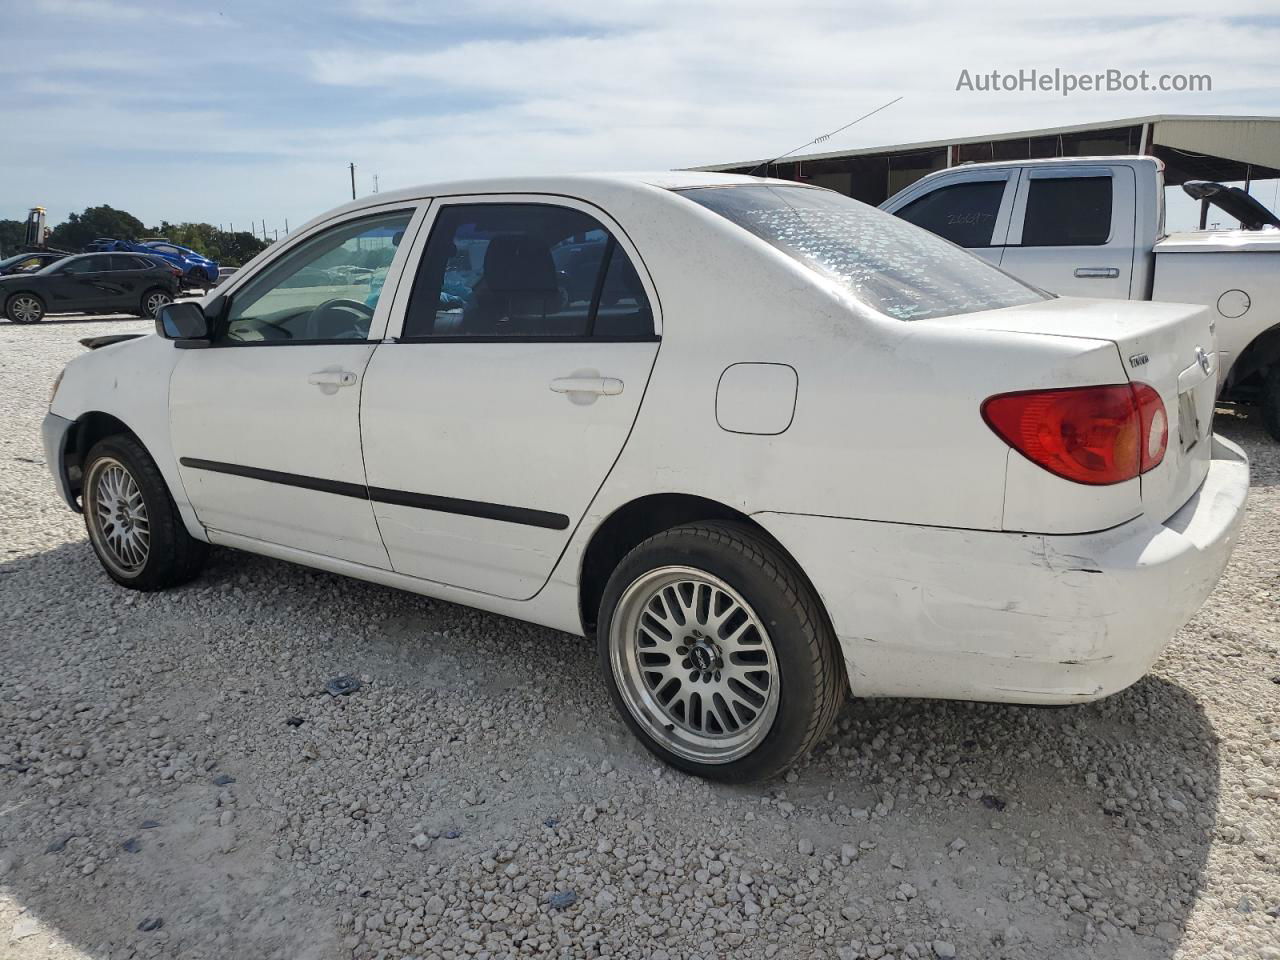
(526, 270)
(1067, 212)
(964, 213)
(888, 264)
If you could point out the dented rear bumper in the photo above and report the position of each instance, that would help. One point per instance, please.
(1024, 618)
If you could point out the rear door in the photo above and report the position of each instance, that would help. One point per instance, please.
(1072, 230)
(491, 420)
(970, 208)
(119, 282)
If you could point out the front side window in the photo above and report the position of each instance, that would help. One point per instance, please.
(94, 264)
(1067, 212)
(22, 264)
(890, 265)
(324, 290)
(964, 213)
(524, 270)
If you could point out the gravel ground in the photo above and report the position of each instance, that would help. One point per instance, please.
(175, 782)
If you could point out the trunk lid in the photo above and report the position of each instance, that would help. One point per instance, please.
(1169, 346)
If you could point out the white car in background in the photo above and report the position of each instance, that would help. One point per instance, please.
(776, 446)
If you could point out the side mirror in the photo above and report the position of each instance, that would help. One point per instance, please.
(183, 321)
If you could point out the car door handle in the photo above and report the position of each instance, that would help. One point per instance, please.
(599, 386)
(1097, 273)
(332, 378)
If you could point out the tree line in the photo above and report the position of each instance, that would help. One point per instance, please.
(79, 229)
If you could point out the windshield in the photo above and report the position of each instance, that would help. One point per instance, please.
(888, 264)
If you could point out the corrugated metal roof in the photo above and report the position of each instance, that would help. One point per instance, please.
(1253, 140)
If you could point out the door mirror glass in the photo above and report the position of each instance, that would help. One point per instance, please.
(182, 321)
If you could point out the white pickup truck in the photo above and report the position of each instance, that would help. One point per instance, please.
(1094, 227)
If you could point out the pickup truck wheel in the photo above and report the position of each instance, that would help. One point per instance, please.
(24, 308)
(1269, 401)
(717, 654)
(133, 523)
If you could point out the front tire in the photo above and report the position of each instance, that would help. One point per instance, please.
(24, 307)
(1270, 402)
(717, 653)
(133, 523)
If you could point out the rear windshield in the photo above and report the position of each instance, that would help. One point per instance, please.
(888, 264)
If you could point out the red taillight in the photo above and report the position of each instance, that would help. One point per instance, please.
(1094, 435)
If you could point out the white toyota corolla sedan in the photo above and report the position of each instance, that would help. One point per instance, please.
(766, 443)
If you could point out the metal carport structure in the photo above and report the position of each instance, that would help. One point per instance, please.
(1222, 148)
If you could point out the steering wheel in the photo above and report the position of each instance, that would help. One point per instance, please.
(330, 310)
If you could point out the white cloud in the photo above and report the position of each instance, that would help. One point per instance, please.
(424, 91)
(115, 11)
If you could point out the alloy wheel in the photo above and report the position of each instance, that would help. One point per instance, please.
(26, 309)
(155, 302)
(694, 664)
(118, 519)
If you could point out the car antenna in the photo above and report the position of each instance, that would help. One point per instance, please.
(826, 136)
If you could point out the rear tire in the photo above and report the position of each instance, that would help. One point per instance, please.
(133, 523)
(24, 307)
(717, 653)
(1270, 402)
(153, 300)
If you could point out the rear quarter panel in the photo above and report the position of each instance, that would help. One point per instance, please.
(887, 422)
(1206, 278)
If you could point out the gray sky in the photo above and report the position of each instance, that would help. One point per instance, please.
(229, 110)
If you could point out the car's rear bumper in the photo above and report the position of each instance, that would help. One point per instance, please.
(1028, 618)
(54, 432)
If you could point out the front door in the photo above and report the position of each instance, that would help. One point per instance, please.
(491, 422)
(77, 285)
(968, 207)
(265, 421)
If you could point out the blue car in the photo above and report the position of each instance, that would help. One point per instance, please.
(197, 269)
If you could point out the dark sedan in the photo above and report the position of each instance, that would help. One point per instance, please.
(91, 283)
(28, 262)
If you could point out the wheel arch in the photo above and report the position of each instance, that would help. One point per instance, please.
(1261, 353)
(85, 431)
(637, 520)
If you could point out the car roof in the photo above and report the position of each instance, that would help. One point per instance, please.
(586, 186)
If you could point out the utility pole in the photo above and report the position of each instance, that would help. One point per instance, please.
(286, 226)
(352, 165)
(375, 183)
(264, 231)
